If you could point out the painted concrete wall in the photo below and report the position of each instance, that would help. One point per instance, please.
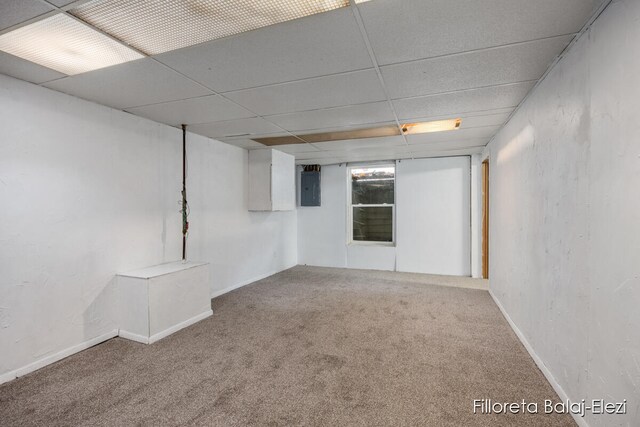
(241, 246)
(565, 216)
(88, 191)
(433, 216)
(322, 231)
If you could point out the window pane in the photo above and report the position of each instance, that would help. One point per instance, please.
(373, 224)
(372, 186)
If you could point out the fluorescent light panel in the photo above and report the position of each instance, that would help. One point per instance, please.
(65, 45)
(279, 140)
(156, 26)
(427, 127)
(377, 132)
(331, 136)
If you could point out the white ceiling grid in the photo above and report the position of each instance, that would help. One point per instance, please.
(367, 65)
(161, 26)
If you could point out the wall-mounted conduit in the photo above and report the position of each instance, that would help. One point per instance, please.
(185, 206)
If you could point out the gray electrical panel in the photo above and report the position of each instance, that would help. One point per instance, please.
(310, 188)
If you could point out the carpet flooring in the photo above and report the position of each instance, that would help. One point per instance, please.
(308, 346)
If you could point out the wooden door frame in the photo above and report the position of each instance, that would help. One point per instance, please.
(485, 219)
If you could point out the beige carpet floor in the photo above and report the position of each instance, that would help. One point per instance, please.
(308, 346)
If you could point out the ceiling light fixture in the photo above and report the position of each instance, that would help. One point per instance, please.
(62, 43)
(157, 26)
(378, 132)
(435, 126)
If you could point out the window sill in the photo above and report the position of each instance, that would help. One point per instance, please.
(364, 243)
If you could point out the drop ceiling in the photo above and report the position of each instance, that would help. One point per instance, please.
(369, 64)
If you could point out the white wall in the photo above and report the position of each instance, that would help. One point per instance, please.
(88, 191)
(439, 188)
(565, 216)
(322, 230)
(433, 216)
(241, 246)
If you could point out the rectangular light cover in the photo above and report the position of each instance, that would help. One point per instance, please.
(426, 127)
(156, 26)
(331, 136)
(65, 45)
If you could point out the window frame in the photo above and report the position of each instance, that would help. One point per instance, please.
(350, 205)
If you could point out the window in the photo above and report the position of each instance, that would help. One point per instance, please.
(371, 203)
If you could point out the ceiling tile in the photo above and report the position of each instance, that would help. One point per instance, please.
(314, 46)
(295, 148)
(320, 154)
(387, 151)
(242, 143)
(353, 144)
(378, 156)
(257, 135)
(504, 110)
(470, 114)
(365, 126)
(61, 3)
(26, 70)
(14, 12)
(474, 119)
(458, 103)
(195, 110)
(347, 157)
(131, 84)
(439, 27)
(375, 156)
(484, 120)
(375, 112)
(455, 135)
(229, 128)
(447, 152)
(508, 64)
(449, 145)
(323, 92)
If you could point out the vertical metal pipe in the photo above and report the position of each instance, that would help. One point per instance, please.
(185, 224)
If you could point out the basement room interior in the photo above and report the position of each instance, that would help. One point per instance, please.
(320, 213)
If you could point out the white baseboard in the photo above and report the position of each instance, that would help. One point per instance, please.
(8, 376)
(133, 337)
(181, 325)
(248, 282)
(547, 373)
(156, 337)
